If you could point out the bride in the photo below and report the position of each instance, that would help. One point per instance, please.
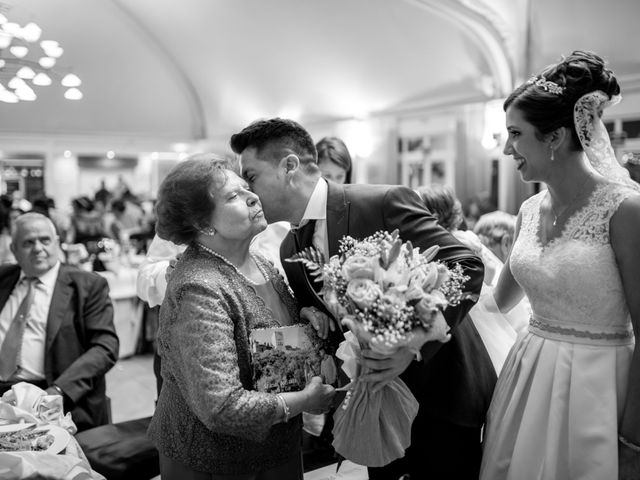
(567, 403)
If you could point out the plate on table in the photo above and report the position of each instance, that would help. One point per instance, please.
(17, 437)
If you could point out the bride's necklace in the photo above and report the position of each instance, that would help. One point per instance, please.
(228, 262)
(578, 195)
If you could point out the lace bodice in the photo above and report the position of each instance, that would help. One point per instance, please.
(573, 282)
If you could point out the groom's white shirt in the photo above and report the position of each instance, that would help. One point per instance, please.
(317, 210)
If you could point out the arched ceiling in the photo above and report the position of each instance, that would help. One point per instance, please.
(166, 71)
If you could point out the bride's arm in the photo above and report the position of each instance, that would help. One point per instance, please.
(625, 237)
(508, 292)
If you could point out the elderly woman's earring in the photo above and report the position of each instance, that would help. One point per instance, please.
(208, 231)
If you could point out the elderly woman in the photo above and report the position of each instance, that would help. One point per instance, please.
(210, 422)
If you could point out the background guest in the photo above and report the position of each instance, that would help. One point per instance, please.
(56, 324)
(497, 333)
(103, 196)
(87, 223)
(334, 160)
(496, 231)
(6, 255)
(633, 166)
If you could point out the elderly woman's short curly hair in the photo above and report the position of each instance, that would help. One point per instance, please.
(186, 197)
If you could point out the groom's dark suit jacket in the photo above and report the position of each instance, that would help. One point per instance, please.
(455, 380)
(81, 341)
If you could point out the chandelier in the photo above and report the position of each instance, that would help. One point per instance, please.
(27, 63)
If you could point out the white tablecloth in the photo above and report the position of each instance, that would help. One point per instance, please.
(127, 307)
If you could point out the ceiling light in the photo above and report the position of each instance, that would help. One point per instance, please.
(55, 52)
(71, 80)
(31, 59)
(47, 62)
(5, 40)
(42, 79)
(31, 32)
(12, 28)
(19, 51)
(8, 96)
(73, 94)
(26, 93)
(15, 83)
(26, 72)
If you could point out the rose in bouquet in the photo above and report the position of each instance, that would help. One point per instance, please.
(390, 295)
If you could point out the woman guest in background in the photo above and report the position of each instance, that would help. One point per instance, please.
(496, 231)
(334, 160)
(567, 403)
(497, 332)
(209, 421)
(633, 166)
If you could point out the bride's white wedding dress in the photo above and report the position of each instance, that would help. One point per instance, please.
(559, 398)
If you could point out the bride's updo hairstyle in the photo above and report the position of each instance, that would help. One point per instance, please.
(547, 100)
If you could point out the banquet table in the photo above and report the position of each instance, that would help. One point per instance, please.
(37, 438)
(69, 464)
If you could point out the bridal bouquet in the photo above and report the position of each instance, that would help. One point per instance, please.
(389, 295)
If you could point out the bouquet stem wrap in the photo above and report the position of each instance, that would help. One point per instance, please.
(371, 429)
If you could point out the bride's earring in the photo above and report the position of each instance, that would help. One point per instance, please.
(552, 154)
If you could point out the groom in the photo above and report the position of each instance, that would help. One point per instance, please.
(453, 382)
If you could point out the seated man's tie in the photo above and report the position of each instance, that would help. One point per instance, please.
(10, 350)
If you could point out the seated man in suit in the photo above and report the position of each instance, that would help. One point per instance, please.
(56, 324)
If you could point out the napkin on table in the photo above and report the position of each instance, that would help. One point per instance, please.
(27, 403)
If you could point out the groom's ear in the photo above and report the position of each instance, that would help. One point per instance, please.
(290, 163)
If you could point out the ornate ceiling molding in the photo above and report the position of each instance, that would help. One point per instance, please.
(487, 28)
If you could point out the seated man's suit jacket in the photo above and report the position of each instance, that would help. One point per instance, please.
(81, 341)
(454, 381)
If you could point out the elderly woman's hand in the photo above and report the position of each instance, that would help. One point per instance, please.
(320, 321)
(319, 396)
(171, 266)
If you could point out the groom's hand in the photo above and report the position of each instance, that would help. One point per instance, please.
(320, 321)
(629, 462)
(384, 368)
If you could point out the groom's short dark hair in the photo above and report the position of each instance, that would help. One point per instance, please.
(278, 132)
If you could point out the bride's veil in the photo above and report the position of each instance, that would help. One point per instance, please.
(587, 116)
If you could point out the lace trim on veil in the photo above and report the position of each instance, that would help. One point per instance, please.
(587, 117)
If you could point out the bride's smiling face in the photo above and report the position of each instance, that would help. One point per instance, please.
(531, 154)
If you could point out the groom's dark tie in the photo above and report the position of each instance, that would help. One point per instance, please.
(304, 239)
(304, 235)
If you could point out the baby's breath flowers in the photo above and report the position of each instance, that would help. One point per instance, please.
(388, 289)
